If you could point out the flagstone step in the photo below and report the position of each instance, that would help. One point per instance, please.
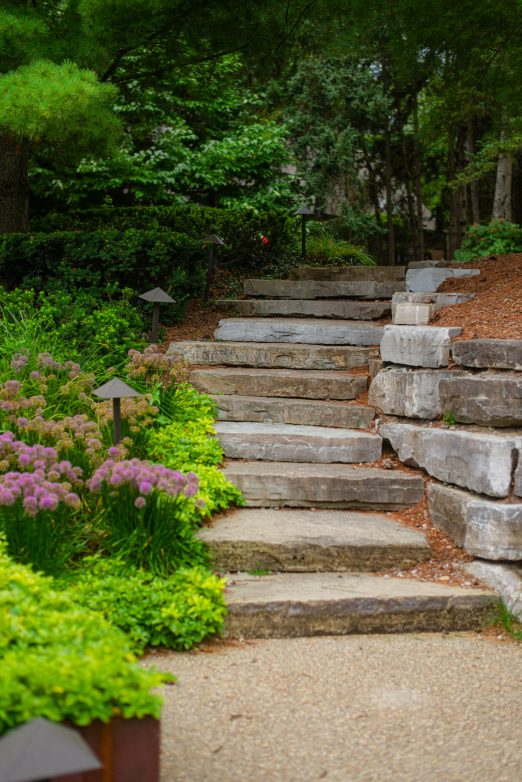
(320, 289)
(295, 383)
(311, 541)
(232, 407)
(306, 308)
(298, 485)
(313, 331)
(272, 355)
(291, 443)
(349, 273)
(294, 605)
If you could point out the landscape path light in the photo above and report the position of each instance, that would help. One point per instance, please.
(157, 296)
(116, 390)
(41, 750)
(305, 212)
(213, 242)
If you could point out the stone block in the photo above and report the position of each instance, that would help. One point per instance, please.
(486, 529)
(487, 400)
(518, 475)
(303, 330)
(440, 264)
(285, 410)
(484, 463)
(350, 273)
(488, 353)
(307, 308)
(436, 300)
(321, 289)
(411, 393)
(429, 279)
(420, 346)
(411, 314)
(506, 579)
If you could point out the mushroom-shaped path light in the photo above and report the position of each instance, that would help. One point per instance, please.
(116, 390)
(157, 296)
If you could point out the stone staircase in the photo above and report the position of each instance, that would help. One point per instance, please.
(287, 376)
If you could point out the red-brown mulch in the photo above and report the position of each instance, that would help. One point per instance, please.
(200, 322)
(496, 310)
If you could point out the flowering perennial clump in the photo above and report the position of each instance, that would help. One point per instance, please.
(66, 433)
(139, 412)
(38, 493)
(144, 478)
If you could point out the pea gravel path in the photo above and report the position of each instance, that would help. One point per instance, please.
(416, 708)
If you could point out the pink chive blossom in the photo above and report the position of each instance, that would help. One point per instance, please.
(38, 458)
(19, 362)
(143, 477)
(35, 492)
(140, 502)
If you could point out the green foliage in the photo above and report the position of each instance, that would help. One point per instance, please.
(325, 250)
(508, 622)
(495, 238)
(175, 612)
(449, 418)
(62, 662)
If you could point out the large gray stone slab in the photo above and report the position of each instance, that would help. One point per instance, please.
(428, 280)
(518, 475)
(412, 314)
(420, 346)
(272, 355)
(304, 330)
(291, 605)
(293, 411)
(505, 579)
(351, 273)
(411, 393)
(417, 309)
(296, 541)
(317, 289)
(306, 308)
(292, 443)
(487, 400)
(269, 484)
(430, 264)
(484, 463)
(486, 529)
(295, 383)
(488, 353)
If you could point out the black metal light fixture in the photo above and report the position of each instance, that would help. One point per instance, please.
(116, 390)
(157, 296)
(41, 750)
(305, 213)
(213, 242)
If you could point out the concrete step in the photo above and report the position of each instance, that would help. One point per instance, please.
(272, 355)
(293, 605)
(310, 289)
(306, 308)
(283, 410)
(295, 541)
(295, 383)
(348, 273)
(312, 331)
(291, 443)
(287, 484)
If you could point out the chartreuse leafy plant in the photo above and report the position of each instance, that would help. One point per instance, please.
(61, 661)
(495, 238)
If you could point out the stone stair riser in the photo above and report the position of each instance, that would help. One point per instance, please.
(293, 411)
(299, 330)
(294, 448)
(309, 289)
(348, 273)
(295, 308)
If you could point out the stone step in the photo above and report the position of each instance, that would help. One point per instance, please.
(293, 605)
(272, 355)
(312, 331)
(310, 289)
(428, 280)
(410, 393)
(348, 273)
(308, 308)
(271, 484)
(291, 443)
(486, 529)
(505, 579)
(417, 309)
(487, 400)
(295, 383)
(482, 462)
(488, 353)
(418, 346)
(295, 541)
(293, 411)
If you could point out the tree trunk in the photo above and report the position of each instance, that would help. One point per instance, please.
(502, 200)
(412, 220)
(418, 184)
(458, 197)
(473, 186)
(389, 194)
(14, 186)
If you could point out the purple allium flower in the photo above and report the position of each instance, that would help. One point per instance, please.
(140, 502)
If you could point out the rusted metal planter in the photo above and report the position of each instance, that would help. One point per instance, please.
(129, 751)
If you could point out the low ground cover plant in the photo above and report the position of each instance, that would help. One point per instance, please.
(494, 238)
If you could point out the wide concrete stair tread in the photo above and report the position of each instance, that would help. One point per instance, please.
(319, 289)
(272, 355)
(300, 384)
(293, 605)
(312, 331)
(311, 541)
(284, 410)
(301, 485)
(305, 308)
(348, 273)
(294, 443)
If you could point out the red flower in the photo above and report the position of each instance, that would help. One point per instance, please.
(264, 240)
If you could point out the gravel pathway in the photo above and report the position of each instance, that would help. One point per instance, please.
(415, 708)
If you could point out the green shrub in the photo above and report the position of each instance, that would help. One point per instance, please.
(325, 250)
(61, 661)
(175, 612)
(496, 238)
